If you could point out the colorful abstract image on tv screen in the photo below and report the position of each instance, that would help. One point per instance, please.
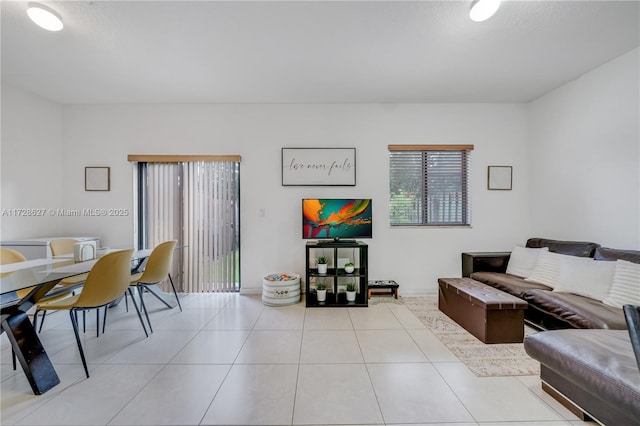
(336, 218)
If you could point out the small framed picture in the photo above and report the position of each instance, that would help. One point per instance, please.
(500, 178)
(97, 179)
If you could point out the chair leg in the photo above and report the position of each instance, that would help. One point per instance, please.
(175, 293)
(104, 320)
(13, 358)
(144, 307)
(127, 294)
(135, 305)
(74, 323)
(161, 299)
(98, 322)
(35, 320)
(84, 320)
(44, 315)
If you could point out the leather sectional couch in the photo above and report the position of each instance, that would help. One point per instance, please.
(593, 373)
(548, 309)
(587, 359)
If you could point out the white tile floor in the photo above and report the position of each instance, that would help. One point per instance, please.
(227, 359)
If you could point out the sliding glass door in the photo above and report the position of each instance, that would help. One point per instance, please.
(198, 204)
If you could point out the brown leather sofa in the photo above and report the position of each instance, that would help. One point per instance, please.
(587, 361)
(549, 310)
(594, 373)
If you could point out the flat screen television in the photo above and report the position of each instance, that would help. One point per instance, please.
(336, 218)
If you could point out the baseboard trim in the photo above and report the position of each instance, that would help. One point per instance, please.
(251, 291)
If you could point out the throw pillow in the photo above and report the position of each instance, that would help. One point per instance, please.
(523, 260)
(547, 269)
(626, 285)
(591, 278)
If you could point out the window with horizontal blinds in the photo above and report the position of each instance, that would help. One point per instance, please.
(429, 186)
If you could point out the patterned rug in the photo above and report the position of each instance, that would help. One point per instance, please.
(385, 299)
(484, 360)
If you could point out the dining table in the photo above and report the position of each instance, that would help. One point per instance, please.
(42, 276)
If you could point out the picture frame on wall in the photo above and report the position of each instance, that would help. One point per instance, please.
(500, 178)
(318, 166)
(97, 178)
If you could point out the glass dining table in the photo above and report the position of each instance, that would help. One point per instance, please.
(42, 275)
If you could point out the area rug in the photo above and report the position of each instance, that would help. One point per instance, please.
(385, 299)
(484, 360)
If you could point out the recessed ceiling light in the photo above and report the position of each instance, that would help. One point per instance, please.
(481, 10)
(44, 17)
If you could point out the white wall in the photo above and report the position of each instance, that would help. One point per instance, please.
(584, 154)
(415, 257)
(32, 164)
(574, 153)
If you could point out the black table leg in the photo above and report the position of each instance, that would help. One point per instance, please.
(29, 351)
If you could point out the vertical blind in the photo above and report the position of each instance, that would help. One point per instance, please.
(163, 212)
(211, 226)
(196, 203)
(429, 184)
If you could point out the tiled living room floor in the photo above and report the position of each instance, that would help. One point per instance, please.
(227, 359)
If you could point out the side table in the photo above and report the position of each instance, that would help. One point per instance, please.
(375, 286)
(484, 261)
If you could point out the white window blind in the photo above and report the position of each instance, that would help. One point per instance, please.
(211, 226)
(196, 203)
(429, 185)
(163, 212)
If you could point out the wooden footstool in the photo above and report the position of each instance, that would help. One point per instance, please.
(376, 286)
(491, 315)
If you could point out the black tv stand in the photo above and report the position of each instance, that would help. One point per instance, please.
(336, 278)
(336, 241)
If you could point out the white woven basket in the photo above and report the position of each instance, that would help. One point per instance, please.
(281, 289)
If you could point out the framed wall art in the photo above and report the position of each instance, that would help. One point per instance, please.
(318, 166)
(499, 178)
(97, 178)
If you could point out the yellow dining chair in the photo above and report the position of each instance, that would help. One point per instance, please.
(156, 270)
(8, 256)
(60, 247)
(107, 281)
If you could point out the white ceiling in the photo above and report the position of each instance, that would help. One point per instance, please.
(310, 51)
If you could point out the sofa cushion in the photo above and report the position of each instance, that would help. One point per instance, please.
(548, 266)
(511, 284)
(592, 278)
(577, 311)
(626, 285)
(596, 362)
(605, 253)
(573, 248)
(523, 260)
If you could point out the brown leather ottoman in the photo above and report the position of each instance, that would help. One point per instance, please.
(491, 315)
